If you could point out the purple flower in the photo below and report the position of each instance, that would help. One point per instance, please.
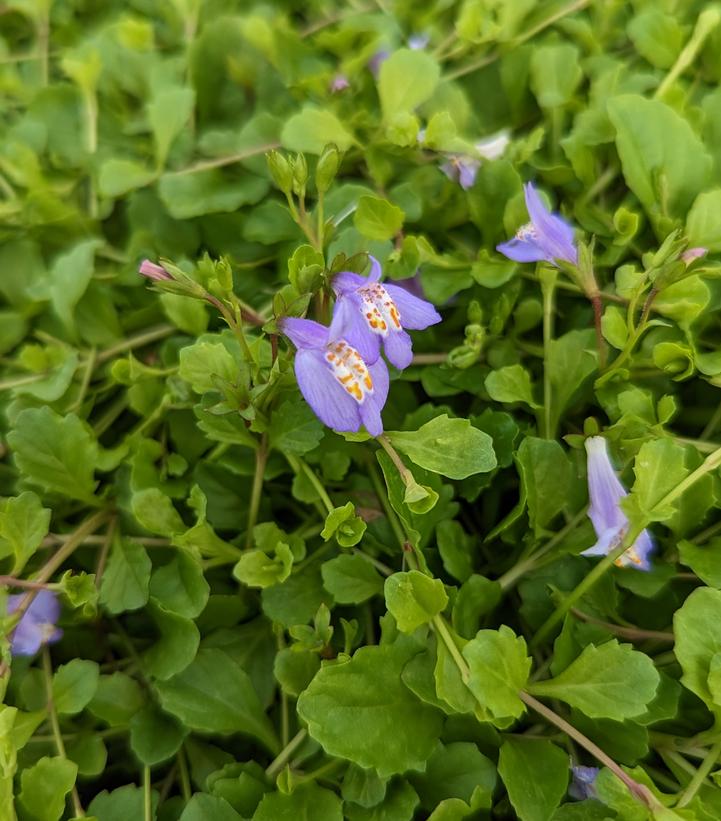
(339, 83)
(344, 391)
(546, 237)
(377, 60)
(152, 271)
(462, 170)
(367, 313)
(37, 624)
(609, 521)
(692, 254)
(583, 784)
(417, 42)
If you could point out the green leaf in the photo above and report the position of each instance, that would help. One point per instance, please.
(555, 74)
(414, 599)
(168, 111)
(155, 512)
(399, 804)
(256, 568)
(545, 476)
(126, 582)
(24, 523)
(204, 807)
(696, 645)
(704, 560)
(455, 548)
(535, 773)
(664, 162)
(202, 362)
(378, 219)
(352, 703)
(308, 802)
(44, 787)
(703, 226)
(351, 579)
(342, 523)
(209, 191)
(457, 770)
(117, 699)
(407, 79)
(294, 428)
(311, 129)
(69, 278)
(121, 805)
(57, 453)
(611, 681)
(510, 384)
(154, 735)
(117, 177)
(214, 694)
(451, 447)
(180, 585)
(499, 667)
(74, 685)
(660, 465)
(658, 37)
(176, 645)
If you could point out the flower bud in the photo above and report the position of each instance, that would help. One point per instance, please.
(300, 174)
(280, 171)
(327, 168)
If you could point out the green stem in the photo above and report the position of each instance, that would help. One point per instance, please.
(147, 794)
(55, 725)
(277, 764)
(548, 288)
(299, 466)
(630, 633)
(139, 341)
(385, 443)
(382, 495)
(184, 774)
(441, 628)
(640, 791)
(711, 463)
(699, 776)
(229, 159)
(706, 23)
(261, 457)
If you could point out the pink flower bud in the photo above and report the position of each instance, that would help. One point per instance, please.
(692, 254)
(152, 271)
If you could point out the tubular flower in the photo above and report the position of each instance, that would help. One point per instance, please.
(463, 169)
(343, 389)
(583, 784)
(609, 521)
(368, 313)
(547, 237)
(152, 271)
(37, 625)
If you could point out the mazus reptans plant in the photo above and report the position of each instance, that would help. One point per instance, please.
(38, 624)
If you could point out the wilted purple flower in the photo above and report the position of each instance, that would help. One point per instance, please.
(375, 62)
(494, 146)
(546, 237)
(37, 624)
(692, 254)
(461, 169)
(152, 271)
(343, 390)
(583, 784)
(339, 83)
(367, 313)
(417, 42)
(605, 492)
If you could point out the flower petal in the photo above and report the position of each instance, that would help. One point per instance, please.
(416, 314)
(605, 491)
(379, 375)
(555, 234)
(376, 270)
(26, 639)
(304, 333)
(347, 281)
(45, 608)
(322, 391)
(370, 414)
(522, 250)
(399, 349)
(606, 542)
(348, 323)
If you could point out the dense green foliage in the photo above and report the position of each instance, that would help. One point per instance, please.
(267, 620)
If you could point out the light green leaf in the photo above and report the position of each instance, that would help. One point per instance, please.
(121, 805)
(126, 581)
(168, 111)
(117, 698)
(351, 579)
(611, 681)
(451, 447)
(499, 667)
(658, 37)
(352, 703)
(555, 74)
(535, 773)
(510, 384)
(703, 226)
(696, 644)
(308, 802)
(312, 129)
(44, 787)
(205, 807)
(117, 177)
(69, 278)
(214, 694)
(209, 191)
(56, 452)
(201, 362)
(180, 585)
(176, 646)
(24, 523)
(155, 512)
(378, 219)
(407, 79)
(414, 599)
(74, 685)
(343, 523)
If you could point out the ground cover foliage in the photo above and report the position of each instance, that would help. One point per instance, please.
(263, 618)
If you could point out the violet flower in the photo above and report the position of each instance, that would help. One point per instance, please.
(377, 60)
(343, 390)
(339, 83)
(37, 625)
(417, 42)
(152, 271)
(583, 784)
(368, 313)
(547, 237)
(609, 521)
(463, 169)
